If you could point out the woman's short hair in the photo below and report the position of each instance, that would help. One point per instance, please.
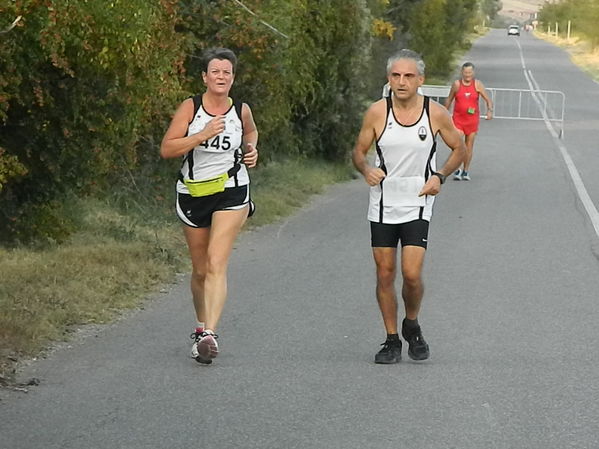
(218, 53)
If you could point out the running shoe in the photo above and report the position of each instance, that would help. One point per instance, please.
(465, 176)
(391, 353)
(457, 176)
(196, 336)
(205, 347)
(417, 346)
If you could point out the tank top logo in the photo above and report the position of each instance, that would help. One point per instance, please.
(422, 133)
(232, 125)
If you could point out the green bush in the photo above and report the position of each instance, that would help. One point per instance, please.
(92, 77)
(87, 88)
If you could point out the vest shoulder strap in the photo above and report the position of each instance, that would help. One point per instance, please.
(197, 102)
(238, 105)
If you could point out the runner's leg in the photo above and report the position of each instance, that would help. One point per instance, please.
(197, 242)
(469, 149)
(459, 127)
(386, 269)
(412, 261)
(226, 225)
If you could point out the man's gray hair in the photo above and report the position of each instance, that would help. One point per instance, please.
(407, 54)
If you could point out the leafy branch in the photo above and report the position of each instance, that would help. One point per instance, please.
(14, 24)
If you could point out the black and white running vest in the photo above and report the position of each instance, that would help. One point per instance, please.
(407, 154)
(217, 155)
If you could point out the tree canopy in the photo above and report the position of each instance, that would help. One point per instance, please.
(87, 87)
(583, 14)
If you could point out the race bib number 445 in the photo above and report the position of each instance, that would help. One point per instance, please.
(217, 143)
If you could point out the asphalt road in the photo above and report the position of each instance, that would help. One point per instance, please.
(510, 314)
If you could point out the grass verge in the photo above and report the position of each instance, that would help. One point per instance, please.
(581, 52)
(117, 259)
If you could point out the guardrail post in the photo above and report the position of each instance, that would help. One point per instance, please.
(520, 105)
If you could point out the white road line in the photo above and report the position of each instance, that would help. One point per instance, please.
(521, 55)
(574, 173)
(534, 82)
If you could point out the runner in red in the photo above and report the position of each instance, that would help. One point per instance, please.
(466, 112)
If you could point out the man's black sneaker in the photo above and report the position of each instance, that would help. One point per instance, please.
(417, 346)
(391, 352)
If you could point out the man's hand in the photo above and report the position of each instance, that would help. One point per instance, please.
(489, 114)
(250, 157)
(432, 186)
(374, 176)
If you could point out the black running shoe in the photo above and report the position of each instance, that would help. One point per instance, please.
(417, 346)
(391, 352)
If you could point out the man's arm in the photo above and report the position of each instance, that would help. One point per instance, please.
(442, 123)
(451, 96)
(483, 93)
(372, 175)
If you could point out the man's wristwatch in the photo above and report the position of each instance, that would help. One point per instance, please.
(440, 176)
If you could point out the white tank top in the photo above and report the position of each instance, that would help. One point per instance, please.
(217, 155)
(407, 154)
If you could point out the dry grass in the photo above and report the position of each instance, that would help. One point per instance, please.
(580, 51)
(520, 9)
(280, 188)
(116, 260)
(89, 280)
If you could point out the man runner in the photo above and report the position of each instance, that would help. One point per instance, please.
(466, 114)
(404, 182)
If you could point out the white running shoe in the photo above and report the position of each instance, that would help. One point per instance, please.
(195, 336)
(194, 350)
(465, 176)
(457, 176)
(205, 347)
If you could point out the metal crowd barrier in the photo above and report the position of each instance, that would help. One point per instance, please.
(517, 104)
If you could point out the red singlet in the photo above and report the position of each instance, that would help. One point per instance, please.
(466, 114)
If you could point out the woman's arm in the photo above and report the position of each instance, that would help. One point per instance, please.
(250, 137)
(175, 143)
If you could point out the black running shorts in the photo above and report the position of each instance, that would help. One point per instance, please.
(414, 233)
(197, 211)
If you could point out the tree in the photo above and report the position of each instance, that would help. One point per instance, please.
(83, 79)
(490, 8)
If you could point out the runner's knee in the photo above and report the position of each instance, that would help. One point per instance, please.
(385, 275)
(199, 274)
(216, 265)
(411, 278)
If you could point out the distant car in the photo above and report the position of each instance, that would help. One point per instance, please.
(513, 30)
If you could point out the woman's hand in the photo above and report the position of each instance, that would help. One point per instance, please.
(250, 156)
(214, 127)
